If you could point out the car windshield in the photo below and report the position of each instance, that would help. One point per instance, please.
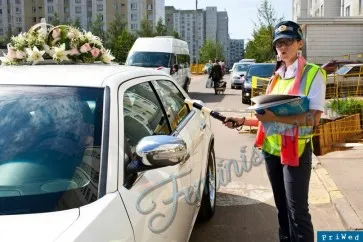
(241, 67)
(261, 70)
(50, 147)
(344, 70)
(149, 59)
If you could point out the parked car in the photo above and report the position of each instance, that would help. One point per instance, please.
(95, 155)
(333, 65)
(166, 53)
(348, 79)
(238, 71)
(264, 70)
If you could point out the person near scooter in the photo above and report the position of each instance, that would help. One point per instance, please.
(216, 75)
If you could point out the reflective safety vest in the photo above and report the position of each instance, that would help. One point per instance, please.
(272, 143)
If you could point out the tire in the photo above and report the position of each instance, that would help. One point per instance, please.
(208, 204)
(232, 87)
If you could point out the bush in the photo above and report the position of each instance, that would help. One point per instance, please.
(347, 106)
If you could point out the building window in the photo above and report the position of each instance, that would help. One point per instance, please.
(18, 10)
(134, 6)
(1, 32)
(1, 11)
(78, 9)
(133, 26)
(78, 1)
(50, 9)
(150, 17)
(50, 19)
(322, 10)
(1, 2)
(50, 1)
(347, 11)
(66, 9)
(17, 1)
(149, 7)
(34, 9)
(19, 29)
(18, 19)
(133, 17)
(34, 19)
(99, 7)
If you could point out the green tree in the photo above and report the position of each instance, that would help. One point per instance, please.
(3, 42)
(122, 45)
(211, 50)
(146, 29)
(115, 29)
(176, 35)
(97, 27)
(76, 23)
(260, 48)
(56, 20)
(160, 28)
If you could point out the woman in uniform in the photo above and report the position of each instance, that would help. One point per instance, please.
(288, 158)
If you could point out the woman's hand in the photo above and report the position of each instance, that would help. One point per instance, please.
(238, 121)
(268, 116)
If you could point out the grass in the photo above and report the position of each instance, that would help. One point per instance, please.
(346, 106)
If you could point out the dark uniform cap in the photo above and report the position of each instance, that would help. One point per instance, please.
(287, 30)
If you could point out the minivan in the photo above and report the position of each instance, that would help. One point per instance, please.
(163, 53)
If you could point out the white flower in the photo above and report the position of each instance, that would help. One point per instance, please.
(34, 55)
(60, 53)
(71, 35)
(20, 54)
(5, 60)
(107, 57)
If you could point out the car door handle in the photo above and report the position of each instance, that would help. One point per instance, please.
(203, 125)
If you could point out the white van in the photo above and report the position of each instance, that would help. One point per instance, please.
(164, 53)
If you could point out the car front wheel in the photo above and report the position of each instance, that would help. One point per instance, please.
(208, 204)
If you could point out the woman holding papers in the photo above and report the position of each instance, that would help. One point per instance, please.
(288, 154)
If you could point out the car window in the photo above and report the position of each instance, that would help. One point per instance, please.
(260, 70)
(243, 67)
(354, 70)
(143, 114)
(50, 147)
(150, 59)
(343, 70)
(173, 101)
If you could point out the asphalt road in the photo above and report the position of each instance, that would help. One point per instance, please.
(245, 209)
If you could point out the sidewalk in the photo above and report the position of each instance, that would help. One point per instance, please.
(341, 174)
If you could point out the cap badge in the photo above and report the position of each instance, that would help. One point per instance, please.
(282, 28)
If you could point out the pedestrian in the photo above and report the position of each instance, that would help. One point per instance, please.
(288, 159)
(216, 75)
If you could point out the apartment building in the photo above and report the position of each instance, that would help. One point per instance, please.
(236, 50)
(211, 23)
(17, 16)
(300, 9)
(351, 8)
(20, 15)
(190, 26)
(223, 33)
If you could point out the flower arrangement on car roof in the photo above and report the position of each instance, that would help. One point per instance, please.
(59, 43)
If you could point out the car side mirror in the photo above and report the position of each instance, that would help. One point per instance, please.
(242, 75)
(158, 151)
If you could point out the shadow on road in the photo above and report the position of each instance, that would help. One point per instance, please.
(207, 96)
(253, 222)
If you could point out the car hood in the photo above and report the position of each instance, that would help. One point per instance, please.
(29, 227)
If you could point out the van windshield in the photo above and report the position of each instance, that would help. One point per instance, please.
(149, 59)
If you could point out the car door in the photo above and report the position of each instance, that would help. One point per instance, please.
(193, 127)
(154, 200)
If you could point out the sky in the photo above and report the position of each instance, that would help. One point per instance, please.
(241, 13)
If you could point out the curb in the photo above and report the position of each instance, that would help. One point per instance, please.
(346, 213)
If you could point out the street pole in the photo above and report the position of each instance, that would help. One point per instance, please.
(196, 30)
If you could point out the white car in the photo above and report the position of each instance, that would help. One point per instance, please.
(238, 70)
(93, 152)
